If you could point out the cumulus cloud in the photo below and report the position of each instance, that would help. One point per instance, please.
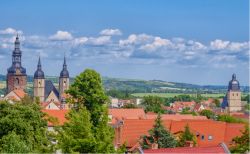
(61, 36)
(11, 31)
(139, 48)
(135, 39)
(219, 44)
(111, 32)
(157, 43)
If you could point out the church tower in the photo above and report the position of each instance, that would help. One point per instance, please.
(39, 82)
(16, 74)
(234, 95)
(64, 79)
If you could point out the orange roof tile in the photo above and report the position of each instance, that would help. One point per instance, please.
(59, 114)
(127, 113)
(20, 93)
(212, 149)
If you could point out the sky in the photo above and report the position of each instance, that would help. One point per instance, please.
(193, 41)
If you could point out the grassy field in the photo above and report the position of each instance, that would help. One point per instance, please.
(166, 95)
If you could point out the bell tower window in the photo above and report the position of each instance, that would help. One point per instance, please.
(17, 81)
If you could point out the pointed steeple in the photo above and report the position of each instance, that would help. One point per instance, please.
(17, 42)
(64, 73)
(39, 66)
(39, 74)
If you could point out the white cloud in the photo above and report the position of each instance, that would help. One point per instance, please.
(135, 39)
(10, 31)
(158, 42)
(111, 32)
(219, 44)
(80, 40)
(61, 36)
(102, 40)
(237, 46)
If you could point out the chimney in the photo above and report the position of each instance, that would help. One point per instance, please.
(189, 144)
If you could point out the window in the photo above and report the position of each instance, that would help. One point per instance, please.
(17, 81)
(39, 84)
(233, 94)
(237, 94)
(210, 137)
(64, 83)
(202, 137)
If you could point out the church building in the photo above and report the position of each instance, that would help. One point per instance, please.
(43, 89)
(16, 74)
(232, 101)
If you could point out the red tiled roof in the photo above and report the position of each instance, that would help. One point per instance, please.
(20, 93)
(212, 149)
(127, 113)
(176, 117)
(132, 129)
(59, 114)
(232, 130)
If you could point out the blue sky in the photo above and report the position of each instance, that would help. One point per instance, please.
(191, 41)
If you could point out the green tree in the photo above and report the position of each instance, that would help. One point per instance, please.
(158, 135)
(24, 123)
(217, 102)
(228, 118)
(152, 104)
(12, 143)
(241, 142)
(76, 135)
(208, 113)
(87, 92)
(130, 106)
(187, 135)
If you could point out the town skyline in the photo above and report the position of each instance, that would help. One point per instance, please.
(122, 49)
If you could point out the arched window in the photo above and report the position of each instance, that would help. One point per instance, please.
(39, 83)
(64, 83)
(17, 81)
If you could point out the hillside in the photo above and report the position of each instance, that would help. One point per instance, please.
(142, 86)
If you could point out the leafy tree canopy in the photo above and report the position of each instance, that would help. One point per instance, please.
(152, 104)
(90, 103)
(23, 128)
(241, 142)
(208, 113)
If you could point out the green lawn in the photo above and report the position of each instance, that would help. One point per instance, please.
(174, 94)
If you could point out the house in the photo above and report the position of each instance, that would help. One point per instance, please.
(15, 95)
(51, 105)
(178, 106)
(208, 132)
(220, 149)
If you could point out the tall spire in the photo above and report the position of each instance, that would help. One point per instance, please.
(39, 74)
(64, 73)
(64, 63)
(39, 66)
(17, 42)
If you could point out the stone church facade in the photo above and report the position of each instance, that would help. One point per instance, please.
(232, 101)
(42, 88)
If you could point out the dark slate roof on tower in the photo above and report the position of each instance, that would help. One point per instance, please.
(17, 46)
(50, 87)
(64, 73)
(224, 103)
(234, 84)
(39, 74)
(16, 67)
